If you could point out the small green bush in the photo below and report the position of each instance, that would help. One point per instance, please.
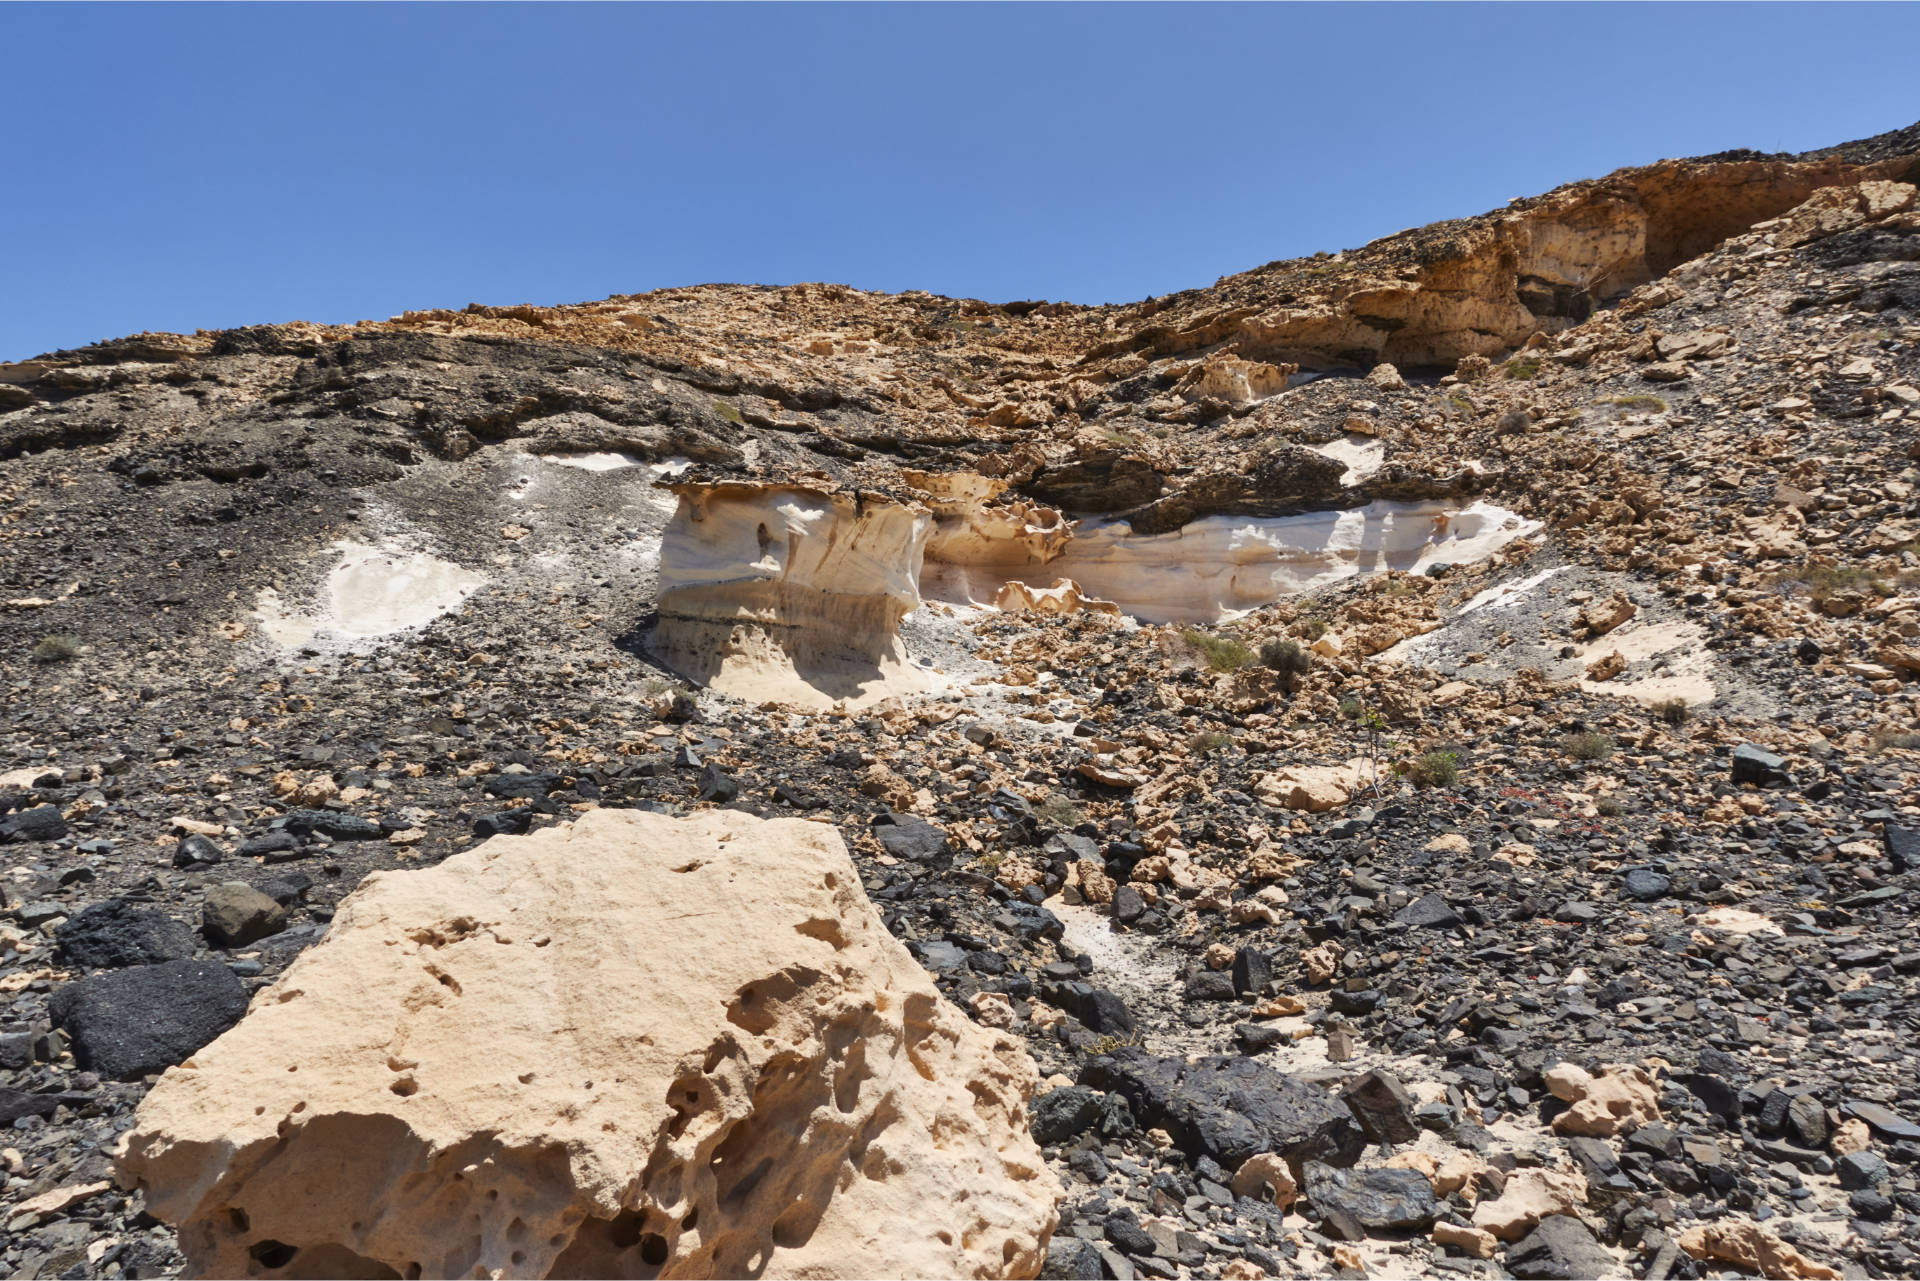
(1059, 811)
(1286, 656)
(1522, 367)
(729, 411)
(1589, 746)
(1674, 711)
(1223, 654)
(1351, 709)
(1608, 807)
(1822, 581)
(1654, 403)
(1887, 736)
(1435, 769)
(56, 649)
(1209, 741)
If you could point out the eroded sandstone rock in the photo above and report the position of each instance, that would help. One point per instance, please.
(790, 593)
(1747, 1245)
(628, 1046)
(1529, 1196)
(1622, 1098)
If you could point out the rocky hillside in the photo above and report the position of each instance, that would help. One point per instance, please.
(1399, 762)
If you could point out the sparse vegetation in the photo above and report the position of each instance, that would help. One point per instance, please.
(1435, 769)
(1823, 581)
(1589, 746)
(57, 648)
(729, 411)
(1113, 1041)
(1609, 807)
(1886, 736)
(1351, 709)
(1312, 628)
(1223, 653)
(1209, 741)
(1521, 368)
(1060, 811)
(1674, 711)
(1652, 403)
(1286, 656)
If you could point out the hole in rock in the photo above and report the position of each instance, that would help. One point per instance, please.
(624, 1232)
(272, 1255)
(653, 1249)
(238, 1218)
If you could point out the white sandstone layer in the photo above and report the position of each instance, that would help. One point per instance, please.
(790, 594)
(629, 1046)
(980, 542)
(1222, 565)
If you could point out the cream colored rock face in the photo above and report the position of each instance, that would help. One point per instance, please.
(631, 1046)
(786, 594)
(1225, 564)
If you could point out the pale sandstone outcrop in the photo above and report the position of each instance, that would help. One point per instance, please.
(1315, 788)
(1265, 1176)
(1216, 565)
(626, 1046)
(1621, 1099)
(1234, 380)
(1473, 1242)
(1064, 597)
(1747, 1245)
(1529, 1196)
(981, 540)
(790, 594)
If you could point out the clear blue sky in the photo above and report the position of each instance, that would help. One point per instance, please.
(207, 166)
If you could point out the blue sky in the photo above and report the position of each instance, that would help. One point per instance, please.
(182, 167)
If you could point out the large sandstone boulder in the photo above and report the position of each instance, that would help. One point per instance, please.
(628, 1046)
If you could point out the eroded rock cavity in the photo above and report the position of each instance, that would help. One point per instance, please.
(791, 593)
(591, 1051)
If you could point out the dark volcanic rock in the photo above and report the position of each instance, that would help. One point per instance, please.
(1560, 1249)
(504, 823)
(196, 851)
(1383, 1107)
(1252, 971)
(341, 827)
(1758, 766)
(1062, 1114)
(1355, 1202)
(908, 837)
(1071, 1259)
(130, 1023)
(41, 823)
(1098, 1009)
(1429, 911)
(1229, 1108)
(117, 933)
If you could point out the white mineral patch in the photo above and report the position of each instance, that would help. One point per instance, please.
(604, 461)
(1224, 565)
(1507, 595)
(1363, 455)
(374, 591)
